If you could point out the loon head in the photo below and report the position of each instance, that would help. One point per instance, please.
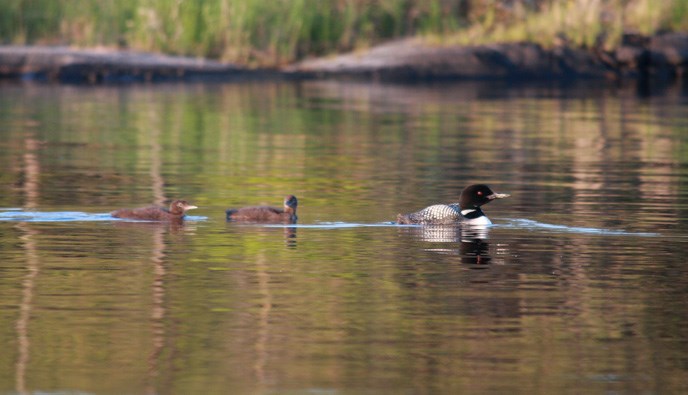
(474, 196)
(179, 207)
(290, 203)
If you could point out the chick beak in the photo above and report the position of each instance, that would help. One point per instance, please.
(189, 207)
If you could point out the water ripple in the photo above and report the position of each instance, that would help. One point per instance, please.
(512, 223)
(334, 225)
(529, 224)
(19, 215)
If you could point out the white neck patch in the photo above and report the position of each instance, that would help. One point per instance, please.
(467, 211)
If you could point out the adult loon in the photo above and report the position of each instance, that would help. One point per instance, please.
(467, 210)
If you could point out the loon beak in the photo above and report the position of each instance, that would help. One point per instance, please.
(498, 196)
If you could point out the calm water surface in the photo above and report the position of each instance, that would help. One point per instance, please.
(581, 286)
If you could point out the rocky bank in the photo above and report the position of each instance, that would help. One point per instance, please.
(664, 56)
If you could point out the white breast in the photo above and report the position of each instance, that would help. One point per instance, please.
(480, 221)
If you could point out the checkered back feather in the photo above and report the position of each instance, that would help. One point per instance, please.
(435, 214)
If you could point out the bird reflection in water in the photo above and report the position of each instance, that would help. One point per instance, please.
(473, 245)
(173, 227)
(270, 231)
(290, 236)
(474, 248)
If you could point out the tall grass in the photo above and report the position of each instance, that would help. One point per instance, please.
(279, 31)
(271, 32)
(583, 23)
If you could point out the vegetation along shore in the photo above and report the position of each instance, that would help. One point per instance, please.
(385, 39)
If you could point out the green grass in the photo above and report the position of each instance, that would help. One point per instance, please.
(273, 32)
(583, 23)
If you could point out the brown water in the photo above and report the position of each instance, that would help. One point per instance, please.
(581, 286)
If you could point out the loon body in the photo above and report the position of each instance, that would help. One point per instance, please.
(266, 214)
(176, 212)
(467, 210)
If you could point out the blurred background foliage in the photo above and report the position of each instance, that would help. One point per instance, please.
(275, 32)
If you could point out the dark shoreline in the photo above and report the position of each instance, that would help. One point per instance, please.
(103, 66)
(663, 57)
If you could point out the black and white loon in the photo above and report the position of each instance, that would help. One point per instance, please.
(466, 211)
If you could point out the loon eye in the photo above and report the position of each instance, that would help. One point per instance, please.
(480, 193)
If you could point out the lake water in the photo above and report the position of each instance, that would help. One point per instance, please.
(580, 286)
